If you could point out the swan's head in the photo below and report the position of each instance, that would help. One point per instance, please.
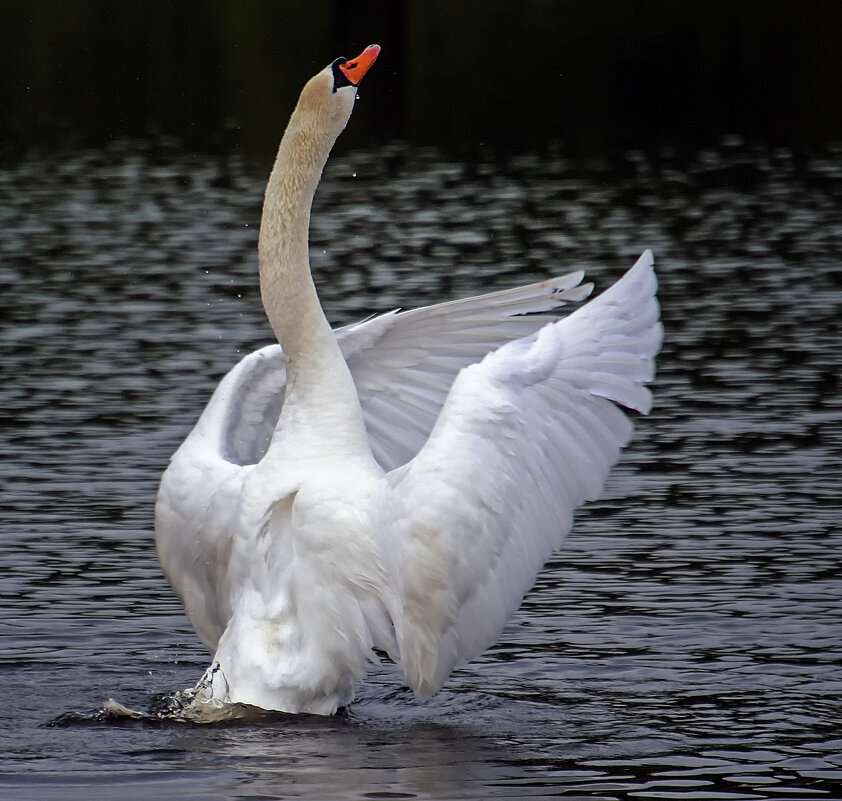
(328, 98)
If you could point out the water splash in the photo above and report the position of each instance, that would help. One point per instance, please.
(179, 707)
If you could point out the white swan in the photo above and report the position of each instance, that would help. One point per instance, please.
(393, 484)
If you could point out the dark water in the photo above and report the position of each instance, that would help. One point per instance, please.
(686, 643)
(604, 75)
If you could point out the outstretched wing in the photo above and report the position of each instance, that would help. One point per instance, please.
(404, 363)
(204, 477)
(524, 437)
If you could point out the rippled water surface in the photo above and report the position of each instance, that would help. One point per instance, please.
(685, 644)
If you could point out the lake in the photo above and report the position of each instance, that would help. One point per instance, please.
(686, 642)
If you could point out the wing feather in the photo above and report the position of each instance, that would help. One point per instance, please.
(524, 437)
(409, 360)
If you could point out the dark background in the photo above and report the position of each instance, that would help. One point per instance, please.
(461, 75)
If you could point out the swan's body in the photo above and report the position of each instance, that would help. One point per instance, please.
(393, 484)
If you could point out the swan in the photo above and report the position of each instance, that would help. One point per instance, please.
(394, 484)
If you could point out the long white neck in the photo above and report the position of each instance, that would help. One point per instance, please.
(321, 407)
(286, 285)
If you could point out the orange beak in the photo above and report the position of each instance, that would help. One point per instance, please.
(357, 67)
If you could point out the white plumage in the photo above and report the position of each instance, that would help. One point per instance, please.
(396, 483)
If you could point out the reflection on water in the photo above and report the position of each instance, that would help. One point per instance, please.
(686, 641)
